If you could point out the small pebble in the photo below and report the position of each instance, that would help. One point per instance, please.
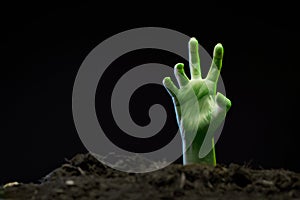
(11, 184)
(267, 183)
(70, 182)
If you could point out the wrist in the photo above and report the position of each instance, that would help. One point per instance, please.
(191, 153)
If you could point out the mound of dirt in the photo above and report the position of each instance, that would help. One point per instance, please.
(84, 178)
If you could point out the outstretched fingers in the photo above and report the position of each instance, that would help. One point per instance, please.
(180, 75)
(216, 65)
(194, 59)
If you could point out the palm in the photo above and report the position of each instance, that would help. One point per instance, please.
(199, 109)
(204, 98)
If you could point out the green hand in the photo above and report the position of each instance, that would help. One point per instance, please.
(199, 110)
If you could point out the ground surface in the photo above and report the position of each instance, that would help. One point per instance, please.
(85, 178)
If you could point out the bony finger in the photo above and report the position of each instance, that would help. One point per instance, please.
(216, 65)
(179, 67)
(194, 58)
(218, 55)
(180, 75)
(169, 85)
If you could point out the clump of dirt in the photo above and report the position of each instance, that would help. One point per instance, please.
(85, 178)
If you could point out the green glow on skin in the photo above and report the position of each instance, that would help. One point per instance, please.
(205, 90)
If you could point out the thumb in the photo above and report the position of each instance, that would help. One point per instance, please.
(223, 102)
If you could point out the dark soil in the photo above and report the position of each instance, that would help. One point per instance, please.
(85, 178)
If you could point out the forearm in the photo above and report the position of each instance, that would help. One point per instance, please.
(191, 155)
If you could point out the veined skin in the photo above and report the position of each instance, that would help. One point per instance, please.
(199, 109)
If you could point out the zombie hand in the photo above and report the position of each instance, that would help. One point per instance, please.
(199, 109)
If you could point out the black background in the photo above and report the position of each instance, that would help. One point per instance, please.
(43, 46)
